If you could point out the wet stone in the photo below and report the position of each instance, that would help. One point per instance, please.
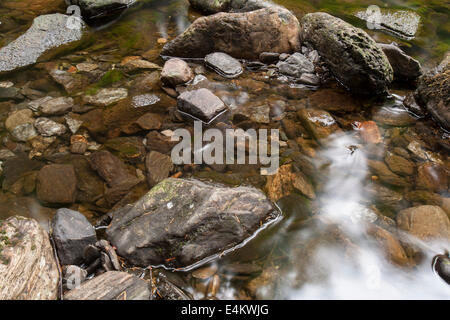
(177, 209)
(431, 176)
(224, 64)
(150, 121)
(399, 164)
(107, 97)
(158, 167)
(176, 72)
(72, 233)
(49, 128)
(405, 67)
(56, 106)
(56, 184)
(269, 57)
(296, 65)
(425, 222)
(318, 122)
(201, 103)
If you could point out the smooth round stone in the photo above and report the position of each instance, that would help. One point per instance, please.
(223, 64)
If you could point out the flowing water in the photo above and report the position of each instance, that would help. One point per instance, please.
(322, 248)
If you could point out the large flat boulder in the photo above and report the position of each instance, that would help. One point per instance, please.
(182, 222)
(241, 35)
(46, 33)
(28, 269)
(351, 54)
(111, 285)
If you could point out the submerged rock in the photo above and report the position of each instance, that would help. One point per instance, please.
(241, 35)
(319, 123)
(112, 285)
(351, 54)
(405, 67)
(49, 128)
(175, 72)
(158, 167)
(21, 125)
(214, 6)
(56, 184)
(27, 265)
(224, 64)
(47, 32)
(181, 222)
(107, 97)
(56, 106)
(72, 233)
(201, 103)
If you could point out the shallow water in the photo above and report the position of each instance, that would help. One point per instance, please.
(301, 257)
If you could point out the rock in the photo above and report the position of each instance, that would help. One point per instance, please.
(385, 175)
(256, 113)
(392, 247)
(214, 6)
(72, 82)
(106, 97)
(72, 232)
(150, 121)
(136, 65)
(47, 32)
(399, 165)
(57, 106)
(112, 285)
(396, 116)
(27, 265)
(296, 65)
(167, 290)
(418, 197)
(130, 149)
(405, 67)
(369, 132)
(10, 93)
(333, 100)
(425, 222)
(35, 8)
(101, 9)
(318, 122)
(404, 23)
(86, 67)
(201, 103)
(441, 266)
(73, 124)
(115, 173)
(224, 65)
(56, 184)
(49, 128)
(158, 142)
(176, 72)
(269, 57)
(181, 222)
(285, 181)
(6, 154)
(158, 167)
(309, 79)
(241, 35)
(20, 125)
(433, 93)
(431, 176)
(351, 54)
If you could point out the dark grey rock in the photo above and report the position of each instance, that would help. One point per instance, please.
(112, 285)
(10, 93)
(224, 64)
(201, 103)
(351, 54)
(405, 67)
(47, 32)
(296, 65)
(72, 233)
(182, 222)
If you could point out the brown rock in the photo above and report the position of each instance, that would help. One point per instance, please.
(158, 142)
(158, 167)
(333, 100)
(399, 165)
(431, 176)
(369, 132)
(175, 72)
(56, 184)
(385, 175)
(318, 122)
(241, 35)
(425, 222)
(392, 247)
(150, 121)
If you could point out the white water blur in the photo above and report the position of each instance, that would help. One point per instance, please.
(368, 274)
